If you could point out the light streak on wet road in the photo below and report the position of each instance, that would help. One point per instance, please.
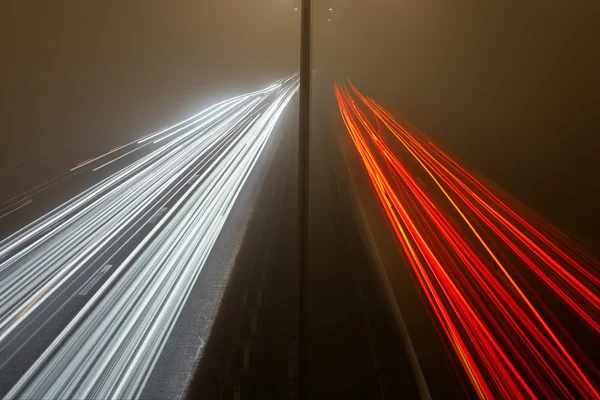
(129, 250)
(474, 251)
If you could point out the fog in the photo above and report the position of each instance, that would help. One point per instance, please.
(79, 70)
(511, 87)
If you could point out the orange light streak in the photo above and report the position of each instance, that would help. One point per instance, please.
(468, 267)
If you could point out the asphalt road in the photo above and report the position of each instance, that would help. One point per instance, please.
(441, 368)
(355, 346)
(93, 290)
(237, 336)
(110, 326)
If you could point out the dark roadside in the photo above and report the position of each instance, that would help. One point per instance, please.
(354, 347)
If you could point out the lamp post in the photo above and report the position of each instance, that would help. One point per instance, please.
(303, 172)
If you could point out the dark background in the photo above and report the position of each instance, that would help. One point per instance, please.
(511, 87)
(116, 69)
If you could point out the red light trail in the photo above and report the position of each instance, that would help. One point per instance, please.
(468, 244)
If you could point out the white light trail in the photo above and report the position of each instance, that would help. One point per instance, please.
(118, 158)
(18, 208)
(110, 347)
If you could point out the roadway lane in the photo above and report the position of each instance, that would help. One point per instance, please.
(202, 324)
(93, 289)
(251, 351)
(427, 355)
(355, 349)
(518, 304)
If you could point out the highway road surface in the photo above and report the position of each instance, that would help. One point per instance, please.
(515, 301)
(177, 264)
(91, 291)
(355, 348)
(174, 272)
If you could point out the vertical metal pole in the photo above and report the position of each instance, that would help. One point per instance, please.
(303, 171)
